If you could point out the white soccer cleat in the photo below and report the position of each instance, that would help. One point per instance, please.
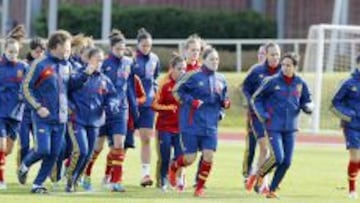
(353, 195)
(3, 186)
(106, 182)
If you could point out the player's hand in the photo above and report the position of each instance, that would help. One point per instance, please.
(226, 104)
(309, 108)
(90, 69)
(173, 108)
(43, 112)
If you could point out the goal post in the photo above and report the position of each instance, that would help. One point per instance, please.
(330, 56)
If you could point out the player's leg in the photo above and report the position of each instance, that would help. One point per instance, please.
(163, 141)
(175, 140)
(352, 138)
(78, 136)
(208, 144)
(288, 143)
(146, 131)
(118, 131)
(189, 146)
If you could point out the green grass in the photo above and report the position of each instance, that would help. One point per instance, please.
(318, 174)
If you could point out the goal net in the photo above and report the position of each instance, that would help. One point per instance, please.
(330, 56)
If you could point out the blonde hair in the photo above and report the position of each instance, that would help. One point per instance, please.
(16, 35)
(80, 42)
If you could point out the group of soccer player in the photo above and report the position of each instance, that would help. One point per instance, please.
(69, 97)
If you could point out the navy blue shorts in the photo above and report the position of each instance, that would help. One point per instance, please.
(9, 128)
(192, 143)
(146, 119)
(352, 138)
(257, 127)
(129, 139)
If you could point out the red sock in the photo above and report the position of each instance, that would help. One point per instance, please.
(117, 157)
(203, 174)
(352, 173)
(108, 164)
(2, 166)
(178, 163)
(91, 163)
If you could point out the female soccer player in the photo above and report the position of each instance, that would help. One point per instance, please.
(147, 68)
(283, 92)
(167, 123)
(89, 104)
(202, 95)
(37, 50)
(118, 68)
(269, 66)
(12, 73)
(345, 105)
(192, 49)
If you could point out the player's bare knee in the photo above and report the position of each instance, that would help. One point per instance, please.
(208, 155)
(190, 158)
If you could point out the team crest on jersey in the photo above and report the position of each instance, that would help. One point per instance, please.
(102, 88)
(108, 68)
(19, 74)
(201, 83)
(299, 88)
(261, 75)
(277, 87)
(354, 88)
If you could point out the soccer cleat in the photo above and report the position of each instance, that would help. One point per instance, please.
(39, 190)
(353, 195)
(86, 183)
(146, 181)
(259, 183)
(164, 188)
(22, 176)
(106, 182)
(199, 192)
(3, 185)
(180, 188)
(117, 187)
(250, 183)
(264, 190)
(272, 195)
(70, 187)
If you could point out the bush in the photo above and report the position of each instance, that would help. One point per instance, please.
(162, 22)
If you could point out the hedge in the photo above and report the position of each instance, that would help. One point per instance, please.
(162, 22)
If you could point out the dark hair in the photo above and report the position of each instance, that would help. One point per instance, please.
(293, 57)
(194, 38)
(175, 59)
(37, 42)
(129, 52)
(143, 34)
(16, 35)
(208, 51)
(58, 37)
(93, 51)
(116, 36)
(270, 44)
